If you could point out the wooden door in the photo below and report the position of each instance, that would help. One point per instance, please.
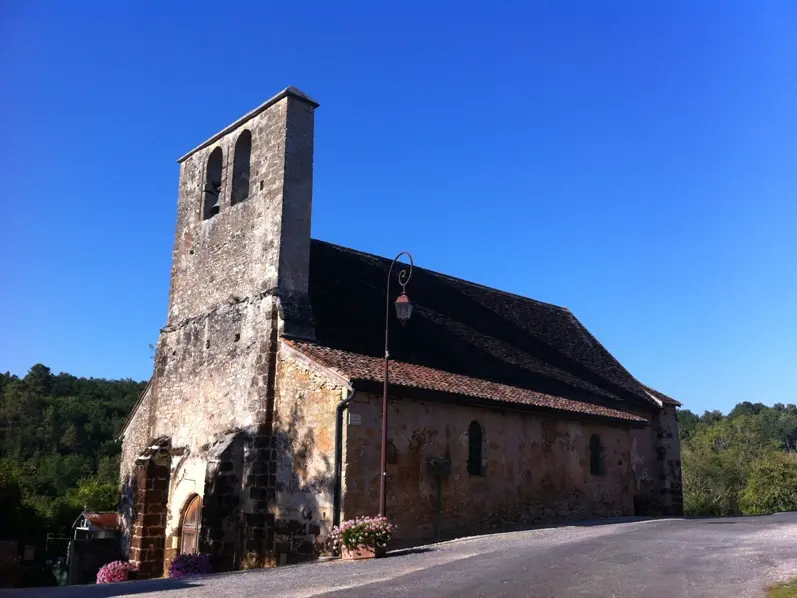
(189, 536)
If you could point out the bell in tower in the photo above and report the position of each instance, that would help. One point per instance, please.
(213, 184)
(213, 194)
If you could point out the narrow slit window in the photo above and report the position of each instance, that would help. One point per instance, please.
(241, 168)
(595, 455)
(475, 448)
(212, 192)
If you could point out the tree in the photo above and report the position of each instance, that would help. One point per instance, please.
(39, 380)
(711, 417)
(738, 463)
(771, 486)
(95, 494)
(747, 408)
(687, 422)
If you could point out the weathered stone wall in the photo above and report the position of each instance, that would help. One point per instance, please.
(537, 468)
(137, 436)
(645, 469)
(668, 451)
(212, 374)
(136, 439)
(656, 464)
(304, 429)
(239, 279)
(214, 378)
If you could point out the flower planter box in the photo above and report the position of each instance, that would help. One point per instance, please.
(362, 552)
(364, 535)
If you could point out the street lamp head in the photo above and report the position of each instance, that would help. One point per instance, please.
(403, 308)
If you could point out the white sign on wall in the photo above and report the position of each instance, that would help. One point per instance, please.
(355, 419)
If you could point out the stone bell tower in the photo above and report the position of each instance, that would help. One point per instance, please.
(243, 219)
(239, 280)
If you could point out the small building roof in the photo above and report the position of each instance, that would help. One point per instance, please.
(97, 520)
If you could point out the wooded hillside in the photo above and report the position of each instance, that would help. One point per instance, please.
(58, 449)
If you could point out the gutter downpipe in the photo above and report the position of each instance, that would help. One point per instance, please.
(339, 454)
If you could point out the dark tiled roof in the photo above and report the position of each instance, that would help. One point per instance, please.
(463, 328)
(662, 397)
(357, 367)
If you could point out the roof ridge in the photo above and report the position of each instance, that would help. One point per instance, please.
(658, 394)
(444, 275)
(585, 331)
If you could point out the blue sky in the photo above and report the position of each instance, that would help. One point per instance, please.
(633, 161)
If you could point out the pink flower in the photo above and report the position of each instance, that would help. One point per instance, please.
(363, 531)
(115, 571)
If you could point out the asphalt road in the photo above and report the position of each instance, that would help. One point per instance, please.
(733, 557)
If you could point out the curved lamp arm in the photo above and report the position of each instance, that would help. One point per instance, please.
(404, 278)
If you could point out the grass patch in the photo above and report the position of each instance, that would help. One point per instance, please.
(783, 590)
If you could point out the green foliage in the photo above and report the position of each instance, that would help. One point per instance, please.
(687, 422)
(738, 464)
(95, 494)
(771, 486)
(58, 448)
(15, 517)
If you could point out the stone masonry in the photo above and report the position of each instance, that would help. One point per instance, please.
(239, 278)
(536, 468)
(304, 429)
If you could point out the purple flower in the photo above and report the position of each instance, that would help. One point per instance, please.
(190, 564)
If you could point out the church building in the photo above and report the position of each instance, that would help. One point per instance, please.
(261, 425)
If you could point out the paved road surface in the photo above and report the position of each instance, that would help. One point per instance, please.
(651, 559)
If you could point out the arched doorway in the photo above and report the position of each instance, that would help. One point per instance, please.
(189, 531)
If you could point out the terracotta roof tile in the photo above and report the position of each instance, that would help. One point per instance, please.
(354, 366)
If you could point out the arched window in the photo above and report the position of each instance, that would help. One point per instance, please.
(392, 453)
(189, 532)
(241, 168)
(475, 448)
(595, 455)
(212, 191)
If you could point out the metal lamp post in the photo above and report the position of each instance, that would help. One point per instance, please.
(403, 312)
